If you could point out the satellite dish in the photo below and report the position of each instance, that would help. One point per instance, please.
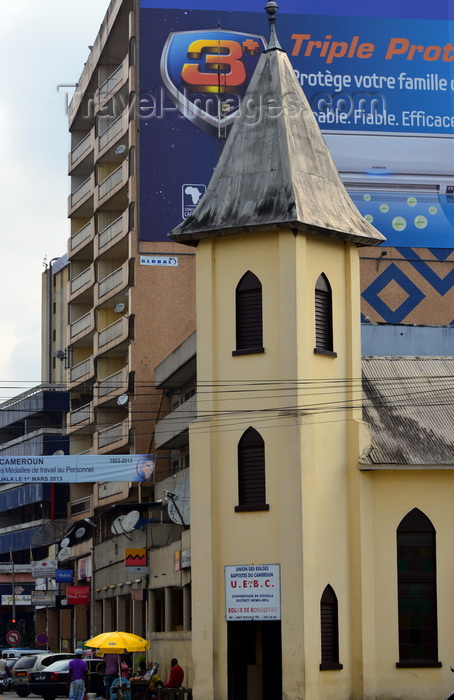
(178, 505)
(64, 554)
(120, 308)
(123, 399)
(80, 532)
(60, 354)
(130, 520)
(116, 527)
(51, 532)
(120, 149)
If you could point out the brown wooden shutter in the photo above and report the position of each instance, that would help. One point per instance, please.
(329, 625)
(249, 323)
(251, 471)
(323, 315)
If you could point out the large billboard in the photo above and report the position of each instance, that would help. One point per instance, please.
(378, 76)
(73, 469)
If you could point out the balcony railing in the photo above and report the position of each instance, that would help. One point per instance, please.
(81, 235)
(116, 432)
(80, 370)
(79, 414)
(107, 284)
(111, 231)
(111, 82)
(80, 325)
(81, 279)
(111, 181)
(81, 148)
(81, 192)
(116, 329)
(112, 383)
(112, 131)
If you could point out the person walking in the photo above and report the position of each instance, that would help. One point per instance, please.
(77, 676)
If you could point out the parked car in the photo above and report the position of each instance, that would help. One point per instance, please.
(27, 664)
(17, 652)
(52, 681)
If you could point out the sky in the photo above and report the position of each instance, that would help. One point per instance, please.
(44, 45)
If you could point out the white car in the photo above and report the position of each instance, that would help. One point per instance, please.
(30, 663)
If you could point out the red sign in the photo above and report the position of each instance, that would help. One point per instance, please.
(13, 637)
(78, 595)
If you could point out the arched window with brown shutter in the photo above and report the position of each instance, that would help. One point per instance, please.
(249, 317)
(251, 472)
(329, 627)
(323, 317)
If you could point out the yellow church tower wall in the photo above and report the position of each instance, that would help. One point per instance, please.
(304, 405)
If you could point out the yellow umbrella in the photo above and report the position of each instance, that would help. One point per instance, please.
(117, 642)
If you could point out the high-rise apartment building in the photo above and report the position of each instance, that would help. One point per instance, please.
(126, 311)
(131, 300)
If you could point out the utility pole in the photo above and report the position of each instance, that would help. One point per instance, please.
(13, 585)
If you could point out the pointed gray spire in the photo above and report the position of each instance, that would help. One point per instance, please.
(273, 43)
(275, 170)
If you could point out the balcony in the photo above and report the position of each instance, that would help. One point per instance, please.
(80, 198)
(114, 181)
(114, 335)
(112, 82)
(81, 192)
(82, 371)
(112, 386)
(111, 233)
(116, 281)
(112, 332)
(78, 157)
(171, 432)
(83, 278)
(82, 283)
(119, 126)
(81, 327)
(113, 437)
(81, 148)
(82, 236)
(80, 417)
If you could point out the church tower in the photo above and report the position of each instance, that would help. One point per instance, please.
(275, 518)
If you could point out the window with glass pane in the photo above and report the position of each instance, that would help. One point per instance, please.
(417, 594)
